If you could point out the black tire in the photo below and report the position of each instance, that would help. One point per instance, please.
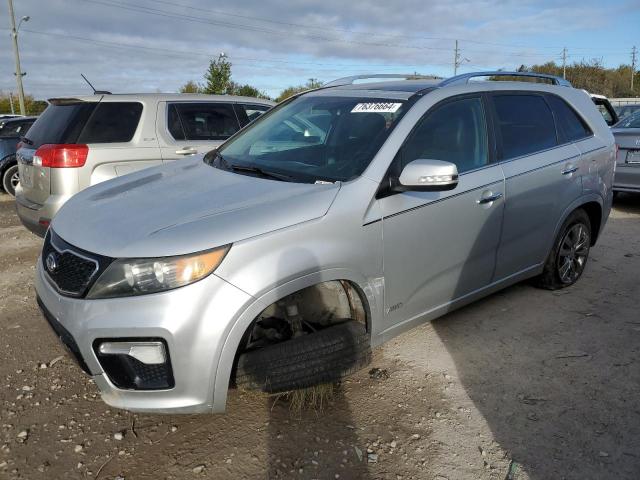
(556, 274)
(8, 180)
(325, 356)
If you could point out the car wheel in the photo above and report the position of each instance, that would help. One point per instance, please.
(569, 254)
(324, 356)
(10, 180)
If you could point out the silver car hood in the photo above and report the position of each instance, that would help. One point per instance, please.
(184, 207)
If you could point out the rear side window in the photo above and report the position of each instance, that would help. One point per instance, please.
(202, 121)
(525, 124)
(570, 126)
(251, 112)
(59, 123)
(112, 122)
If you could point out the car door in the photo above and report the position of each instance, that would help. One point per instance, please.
(542, 178)
(441, 246)
(188, 128)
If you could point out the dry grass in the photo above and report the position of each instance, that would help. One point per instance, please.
(313, 399)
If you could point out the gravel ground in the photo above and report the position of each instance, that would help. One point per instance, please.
(526, 384)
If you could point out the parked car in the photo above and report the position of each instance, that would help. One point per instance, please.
(627, 135)
(82, 141)
(11, 129)
(341, 218)
(605, 108)
(624, 111)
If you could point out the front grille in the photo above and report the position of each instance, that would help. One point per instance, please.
(71, 270)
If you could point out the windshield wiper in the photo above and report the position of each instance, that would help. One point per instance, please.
(259, 171)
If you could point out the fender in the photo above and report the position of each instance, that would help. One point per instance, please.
(6, 162)
(373, 301)
(589, 198)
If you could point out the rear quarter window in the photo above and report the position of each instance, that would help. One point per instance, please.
(525, 123)
(570, 126)
(112, 122)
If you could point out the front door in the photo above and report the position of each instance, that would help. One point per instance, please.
(441, 246)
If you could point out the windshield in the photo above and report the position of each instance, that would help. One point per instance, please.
(632, 121)
(315, 138)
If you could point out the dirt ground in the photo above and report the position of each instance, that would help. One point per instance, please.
(526, 384)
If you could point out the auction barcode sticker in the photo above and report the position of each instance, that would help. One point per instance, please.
(380, 107)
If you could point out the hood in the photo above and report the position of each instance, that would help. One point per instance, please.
(184, 207)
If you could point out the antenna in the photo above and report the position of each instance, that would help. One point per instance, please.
(95, 92)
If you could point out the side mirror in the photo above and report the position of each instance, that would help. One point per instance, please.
(427, 176)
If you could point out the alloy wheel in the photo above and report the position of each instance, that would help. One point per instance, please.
(573, 253)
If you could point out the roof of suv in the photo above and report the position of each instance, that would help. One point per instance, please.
(161, 97)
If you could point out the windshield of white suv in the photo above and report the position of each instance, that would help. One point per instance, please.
(312, 138)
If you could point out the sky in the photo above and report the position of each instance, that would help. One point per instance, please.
(158, 45)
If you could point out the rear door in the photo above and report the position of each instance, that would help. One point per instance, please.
(542, 177)
(188, 128)
(61, 122)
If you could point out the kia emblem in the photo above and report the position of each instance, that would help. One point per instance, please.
(52, 262)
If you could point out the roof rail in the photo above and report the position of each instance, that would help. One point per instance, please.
(350, 80)
(465, 77)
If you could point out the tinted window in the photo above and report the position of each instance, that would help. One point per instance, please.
(455, 132)
(252, 112)
(632, 121)
(174, 124)
(570, 126)
(525, 123)
(59, 123)
(14, 129)
(112, 122)
(207, 121)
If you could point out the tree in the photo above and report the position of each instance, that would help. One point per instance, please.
(218, 76)
(32, 106)
(191, 87)
(291, 91)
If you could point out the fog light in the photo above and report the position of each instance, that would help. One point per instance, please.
(134, 364)
(149, 353)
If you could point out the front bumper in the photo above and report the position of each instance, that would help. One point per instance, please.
(193, 321)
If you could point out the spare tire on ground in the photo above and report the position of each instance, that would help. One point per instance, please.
(324, 356)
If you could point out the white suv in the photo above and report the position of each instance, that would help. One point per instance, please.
(78, 142)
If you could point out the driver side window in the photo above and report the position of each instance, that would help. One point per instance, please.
(454, 132)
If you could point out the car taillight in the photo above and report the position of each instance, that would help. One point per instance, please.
(66, 155)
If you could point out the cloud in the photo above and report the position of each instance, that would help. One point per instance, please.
(305, 39)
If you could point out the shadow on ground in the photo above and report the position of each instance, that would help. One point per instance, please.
(556, 374)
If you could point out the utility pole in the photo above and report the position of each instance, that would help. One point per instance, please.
(564, 63)
(11, 103)
(457, 59)
(16, 53)
(634, 51)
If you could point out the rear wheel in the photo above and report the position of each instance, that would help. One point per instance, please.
(569, 254)
(10, 180)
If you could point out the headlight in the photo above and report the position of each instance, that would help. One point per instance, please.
(139, 276)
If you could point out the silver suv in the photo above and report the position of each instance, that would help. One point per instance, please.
(337, 220)
(78, 142)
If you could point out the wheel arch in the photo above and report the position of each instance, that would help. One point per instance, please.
(245, 320)
(593, 204)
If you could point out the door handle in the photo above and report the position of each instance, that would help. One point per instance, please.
(569, 170)
(187, 151)
(489, 199)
